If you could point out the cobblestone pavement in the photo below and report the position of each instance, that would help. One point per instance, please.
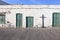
(30, 34)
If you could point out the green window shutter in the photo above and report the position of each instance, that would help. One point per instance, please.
(2, 19)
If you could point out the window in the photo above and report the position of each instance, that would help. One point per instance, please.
(2, 19)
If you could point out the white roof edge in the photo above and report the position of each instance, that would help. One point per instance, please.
(30, 6)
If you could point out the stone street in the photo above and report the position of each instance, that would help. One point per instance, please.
(30, 33)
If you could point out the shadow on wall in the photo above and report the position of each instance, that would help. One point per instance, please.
(8, 25)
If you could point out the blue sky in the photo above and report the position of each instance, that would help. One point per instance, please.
(30, 2)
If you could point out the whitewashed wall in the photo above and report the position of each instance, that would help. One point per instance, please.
(30, 10)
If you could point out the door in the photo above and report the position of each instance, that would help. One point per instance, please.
(18, 20)
(56, 20)
(29, 21)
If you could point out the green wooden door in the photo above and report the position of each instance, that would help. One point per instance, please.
(56, 20)
(18, 20)
(29, 21)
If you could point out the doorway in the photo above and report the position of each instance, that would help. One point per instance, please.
(29, 21)
(18, 20)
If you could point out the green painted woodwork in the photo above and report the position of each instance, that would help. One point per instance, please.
(18, 20)
(56, 20)
(2, 19)
(29, 21)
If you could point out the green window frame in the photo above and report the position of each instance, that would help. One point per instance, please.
(29, 21)
(2, 19)
(56, 20)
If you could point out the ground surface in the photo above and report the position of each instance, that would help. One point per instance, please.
(30, 34)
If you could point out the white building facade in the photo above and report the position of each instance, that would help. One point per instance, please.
(29, 15)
